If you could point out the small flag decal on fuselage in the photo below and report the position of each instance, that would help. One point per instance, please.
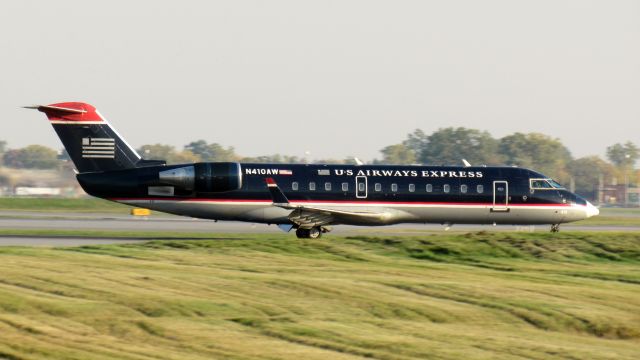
(98, 148)
(324, 172)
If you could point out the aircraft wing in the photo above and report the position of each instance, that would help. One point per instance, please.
(311, 216)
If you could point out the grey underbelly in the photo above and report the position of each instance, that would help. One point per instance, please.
(266, 213)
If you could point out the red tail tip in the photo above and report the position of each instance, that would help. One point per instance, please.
(70, 111)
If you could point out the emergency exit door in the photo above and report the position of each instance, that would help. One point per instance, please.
(361, 187)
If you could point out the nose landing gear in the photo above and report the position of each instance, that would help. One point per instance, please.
(555, 228)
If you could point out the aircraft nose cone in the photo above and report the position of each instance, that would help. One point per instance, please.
(592, 210)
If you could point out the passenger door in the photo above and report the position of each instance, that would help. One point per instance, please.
(500, 196)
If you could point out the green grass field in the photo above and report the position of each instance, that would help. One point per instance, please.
(444, 296)
(62, 205)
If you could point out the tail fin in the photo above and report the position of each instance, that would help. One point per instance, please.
(91, 142)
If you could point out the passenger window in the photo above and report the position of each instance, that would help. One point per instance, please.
(463, 189)
(312, 186)
(345, 187)
(429, 188)
(394, 187)
(294, 186)
(327, 186)
(447, 188)
(480, 189)
(378, 187)
(412, 187)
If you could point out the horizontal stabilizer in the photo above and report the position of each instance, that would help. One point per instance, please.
(50, 108)
(69, 113)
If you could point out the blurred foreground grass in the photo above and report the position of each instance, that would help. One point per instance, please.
(442, 296)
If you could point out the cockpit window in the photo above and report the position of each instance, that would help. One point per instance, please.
(555, 184)
(540, 184)
(544, 184)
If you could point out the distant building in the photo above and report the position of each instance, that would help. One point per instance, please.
(37, 191)
(619, 195)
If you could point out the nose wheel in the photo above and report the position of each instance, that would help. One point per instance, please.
(555, 228)
(313, 233)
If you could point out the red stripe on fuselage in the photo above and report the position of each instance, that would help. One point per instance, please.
(337, 202)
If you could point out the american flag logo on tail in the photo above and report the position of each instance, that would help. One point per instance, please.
(98, 148)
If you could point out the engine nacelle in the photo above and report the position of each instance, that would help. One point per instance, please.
(160, 181)
(204, 177)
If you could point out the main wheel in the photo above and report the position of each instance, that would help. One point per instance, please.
(302, 233)
(315, 233)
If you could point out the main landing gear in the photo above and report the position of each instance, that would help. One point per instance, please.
(555, 228)
(313, 233)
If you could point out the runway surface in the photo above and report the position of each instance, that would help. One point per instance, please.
(111, 222)
(61, 241)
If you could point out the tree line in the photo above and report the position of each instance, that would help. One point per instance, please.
(536, 151)
(446, 146)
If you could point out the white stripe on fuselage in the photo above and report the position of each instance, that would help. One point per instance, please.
(78, 122)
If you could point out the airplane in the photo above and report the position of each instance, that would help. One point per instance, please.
(310, 198)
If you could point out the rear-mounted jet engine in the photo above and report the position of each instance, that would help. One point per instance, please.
(165, 180)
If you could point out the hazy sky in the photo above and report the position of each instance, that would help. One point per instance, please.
(334, 78)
